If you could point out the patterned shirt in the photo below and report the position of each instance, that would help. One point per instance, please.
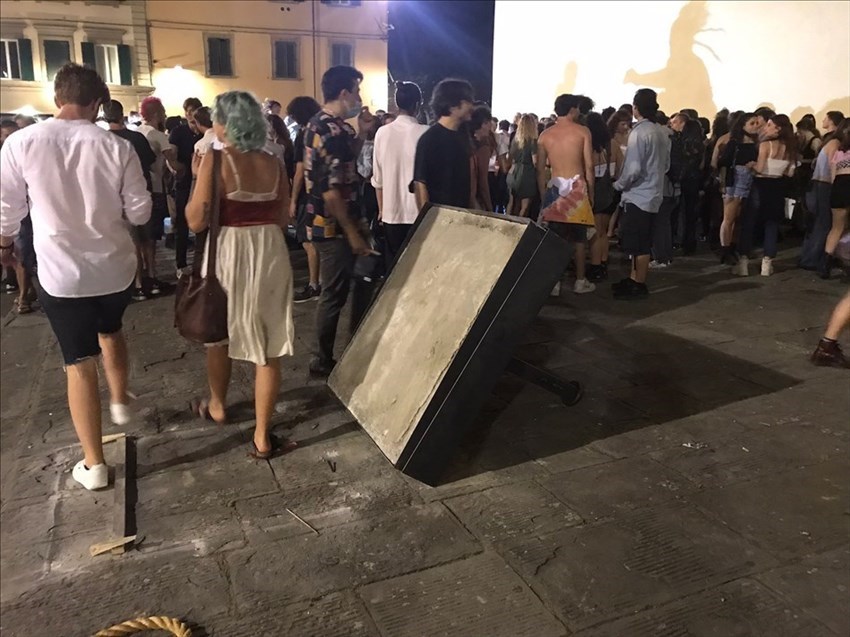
(329, 162)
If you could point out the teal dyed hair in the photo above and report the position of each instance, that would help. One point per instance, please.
(242, 117)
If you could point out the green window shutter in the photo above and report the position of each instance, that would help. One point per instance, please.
(89, 58)
(57, 53)
(125, 64)
(218, 52)
(25, 53)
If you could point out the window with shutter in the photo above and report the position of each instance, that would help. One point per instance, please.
(286, 60)
(342, 54)
(218, 57)
(10, 60)
(57, 53)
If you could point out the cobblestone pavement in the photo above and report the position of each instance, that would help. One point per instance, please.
(700, 488)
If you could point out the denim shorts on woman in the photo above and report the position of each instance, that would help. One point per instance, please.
(741, 185)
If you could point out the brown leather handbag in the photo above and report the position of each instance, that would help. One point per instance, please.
(200, 308)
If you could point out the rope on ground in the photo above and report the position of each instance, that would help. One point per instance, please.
(143, 624)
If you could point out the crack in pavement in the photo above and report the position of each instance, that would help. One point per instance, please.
(547, 560)
(165, 360)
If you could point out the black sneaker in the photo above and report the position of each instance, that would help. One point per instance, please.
(154, 287)
(139, 294)
(320, 368)
(308, 293)
(10, 288)
(596, 273)
(631, 290)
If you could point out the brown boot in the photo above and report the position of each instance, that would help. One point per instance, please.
(829, 354)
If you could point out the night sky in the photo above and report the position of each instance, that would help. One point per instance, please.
(434, 39)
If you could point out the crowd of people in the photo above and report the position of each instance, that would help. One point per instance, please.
(83, 207)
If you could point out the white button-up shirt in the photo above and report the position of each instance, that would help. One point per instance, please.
(84, 185)
(392, 168)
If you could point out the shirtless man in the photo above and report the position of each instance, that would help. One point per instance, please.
(565, 147)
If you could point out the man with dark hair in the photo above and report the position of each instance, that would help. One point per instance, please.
(566, 148)
(763, 113)
(19, 278)
(442, 170)
(642, 183)
(153, 118)
(338, 232)
(690, 113)
(7, 127)
(85, 253)
(395, 152)
(183, 139)
(113, 114)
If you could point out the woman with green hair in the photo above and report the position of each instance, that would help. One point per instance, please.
(252, 261)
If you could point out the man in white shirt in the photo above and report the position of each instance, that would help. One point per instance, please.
(153, 126)
(392, 169)
(85, 185)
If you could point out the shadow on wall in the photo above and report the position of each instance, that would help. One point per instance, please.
(684, 82)
(568, 83)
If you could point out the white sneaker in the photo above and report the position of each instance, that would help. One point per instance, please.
(658, 265)
(122, 414)
(767, 266)
(583, 286)
(556, 291)
(96, 477)
(742, 268)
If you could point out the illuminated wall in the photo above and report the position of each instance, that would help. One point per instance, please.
(178, 29)
(794, 56)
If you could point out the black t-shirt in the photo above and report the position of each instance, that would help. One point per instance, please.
(442, 164)
(183, 139)
(143, 149)
(298, 157)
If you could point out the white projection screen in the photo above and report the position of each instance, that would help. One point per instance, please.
(793, 56)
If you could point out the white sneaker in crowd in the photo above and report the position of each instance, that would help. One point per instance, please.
(556, 291)
(92, 478)
(658, 265)
(742, 268)
(766, 266)
(583, 286)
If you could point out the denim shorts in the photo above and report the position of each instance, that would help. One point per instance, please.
(742, 183)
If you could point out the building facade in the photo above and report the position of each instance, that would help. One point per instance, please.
(175, 49)
(39, 36)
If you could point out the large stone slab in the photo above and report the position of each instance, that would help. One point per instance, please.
(820, 585)
(478, 596)
(790, 514)
(592, 573)
(512, 513)
(742, 608)
(346, 556)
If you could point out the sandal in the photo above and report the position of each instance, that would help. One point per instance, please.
(201, 408)
(278, 447)
(23, 307)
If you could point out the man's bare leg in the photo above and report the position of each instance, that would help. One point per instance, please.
(580, 255)
(84, 403)
(115, 366)
(640, 268)
(312, 263)
(24, 285)
(140, 266)
(839, 320)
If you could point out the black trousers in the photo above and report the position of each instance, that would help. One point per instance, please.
(688, 204)
(181, 227)
(336, 265)
(395, 235)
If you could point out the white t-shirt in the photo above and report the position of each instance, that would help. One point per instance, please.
(159, 144)
(85, 184)
(392, 168)
(205, 143)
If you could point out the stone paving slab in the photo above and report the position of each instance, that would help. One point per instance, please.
(820, 584)
(510, 513)
(789, 514)
(742, 608)
(478, 596)
(345, 556)
(592, 573)
(334, 615)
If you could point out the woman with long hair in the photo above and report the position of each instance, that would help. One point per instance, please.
(711, 206)
(739, 158)
(619, 127)
(777, 160)
(812, 253)
(252, 262)
(607, 162)
(522, 176)
(280, 143)
(839, 198)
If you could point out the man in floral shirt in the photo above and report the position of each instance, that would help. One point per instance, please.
(330, 176)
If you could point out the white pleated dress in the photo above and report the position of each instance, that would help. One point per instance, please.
(252, 265)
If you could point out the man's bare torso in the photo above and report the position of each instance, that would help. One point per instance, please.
(564, 145)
